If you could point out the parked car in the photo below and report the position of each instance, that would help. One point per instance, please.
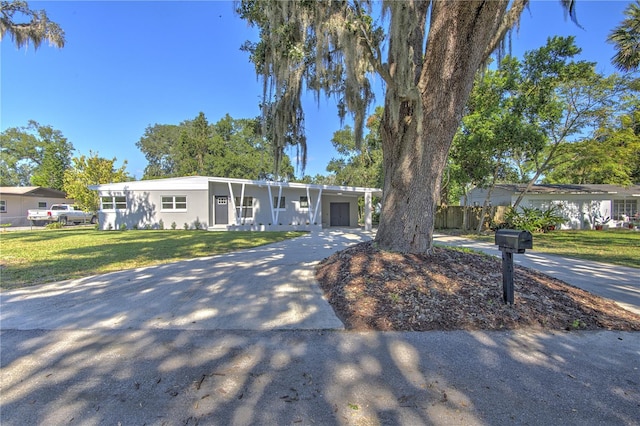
(63, 213)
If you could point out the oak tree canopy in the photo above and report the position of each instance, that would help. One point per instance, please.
(427, 55)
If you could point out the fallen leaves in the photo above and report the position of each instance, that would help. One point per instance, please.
(370, 289)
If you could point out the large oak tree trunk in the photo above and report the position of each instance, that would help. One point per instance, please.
(416, 141)
(412, 170)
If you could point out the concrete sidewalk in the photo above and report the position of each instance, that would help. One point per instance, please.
(247, 339)
(618, 283)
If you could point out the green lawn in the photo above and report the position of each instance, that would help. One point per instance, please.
(35, 257)
(616, 246)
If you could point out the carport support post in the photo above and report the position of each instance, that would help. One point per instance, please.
(368, 226)
(507, 275)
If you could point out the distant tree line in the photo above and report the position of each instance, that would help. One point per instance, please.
(232, 148)
(34, 155)
(39, 155)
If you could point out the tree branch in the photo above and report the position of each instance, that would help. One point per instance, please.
(374, 51)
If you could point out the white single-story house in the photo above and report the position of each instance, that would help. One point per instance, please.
(16, 200)
(216, 203)
(583, 206)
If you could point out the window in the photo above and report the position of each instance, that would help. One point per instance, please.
(304, 202)
(173, 202)
(247, 207)
(542, 204)
(42, 204)
(624, 209)
(3, 206)
(113, 202)
(279, 205)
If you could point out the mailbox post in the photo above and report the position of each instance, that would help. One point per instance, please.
(511, 241)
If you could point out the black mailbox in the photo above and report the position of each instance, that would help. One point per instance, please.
(514, 240)
(511, 241)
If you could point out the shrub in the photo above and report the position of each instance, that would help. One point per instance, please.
(161, 225)
(54, 225)
(173, 225)
(123, 226)
(532, 219)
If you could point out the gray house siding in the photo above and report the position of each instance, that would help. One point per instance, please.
(249, 215)
(145, 209)
(260, 207)
(229, 204)
(294, 213)
(196, 214)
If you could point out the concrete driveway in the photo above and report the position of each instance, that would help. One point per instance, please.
(266, 288)
(246, 339)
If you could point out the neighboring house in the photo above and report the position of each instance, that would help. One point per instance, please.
(583, 206)
(225, 204)
(16, 200)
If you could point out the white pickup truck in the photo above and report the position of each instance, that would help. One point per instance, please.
(63, 213)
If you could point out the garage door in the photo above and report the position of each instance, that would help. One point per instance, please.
(339, 214)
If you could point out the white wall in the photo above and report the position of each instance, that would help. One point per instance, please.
(581, 210)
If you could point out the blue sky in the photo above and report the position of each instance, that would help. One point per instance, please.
(128, 65)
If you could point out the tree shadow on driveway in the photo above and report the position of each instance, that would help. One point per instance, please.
(246, 338)
(241, 377)
(265, 288)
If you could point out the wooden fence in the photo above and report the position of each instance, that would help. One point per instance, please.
(452, 217)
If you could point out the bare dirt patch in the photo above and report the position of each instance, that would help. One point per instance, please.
(371, 289)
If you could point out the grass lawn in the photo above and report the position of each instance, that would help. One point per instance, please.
(616, 246)
(35, 257)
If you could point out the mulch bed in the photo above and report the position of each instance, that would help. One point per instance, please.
(371, 289)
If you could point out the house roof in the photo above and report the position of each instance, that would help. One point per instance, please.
(202, 183)
(32, 191)
(633, 190)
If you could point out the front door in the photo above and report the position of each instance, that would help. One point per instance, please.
(339, 214)
(222, 210)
